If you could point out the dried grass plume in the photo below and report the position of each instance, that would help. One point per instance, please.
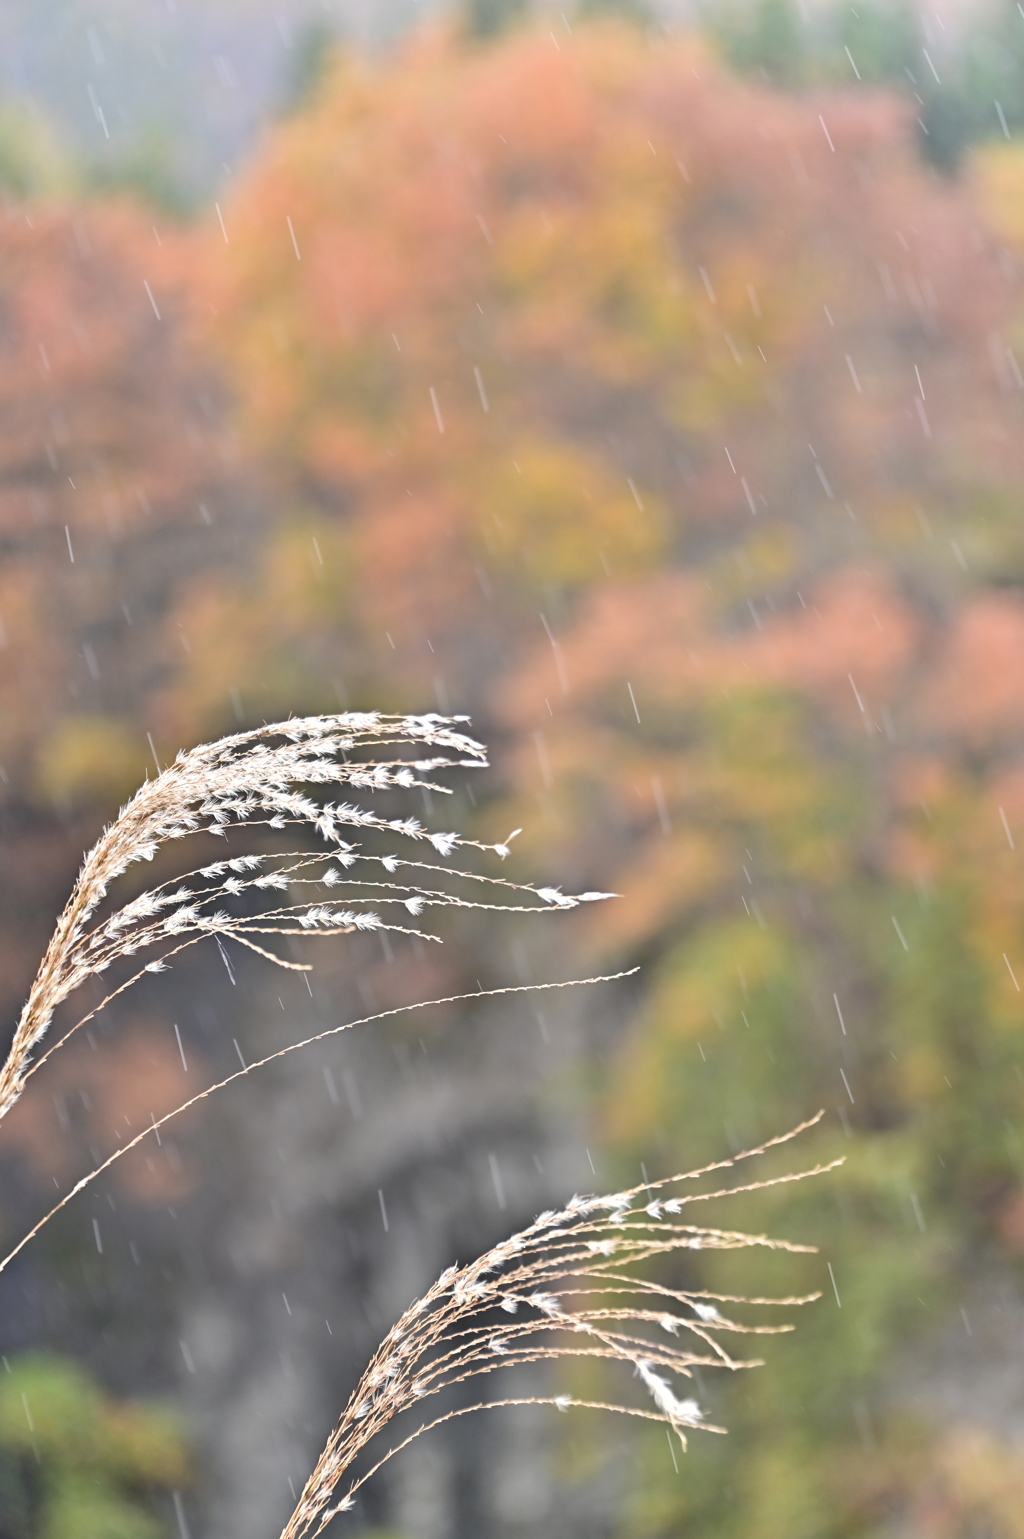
(273, 777)
(569, 1286)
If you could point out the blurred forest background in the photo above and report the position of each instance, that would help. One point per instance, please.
(645, 382)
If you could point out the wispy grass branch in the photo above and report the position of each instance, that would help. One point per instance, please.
(153, 1129)
(270, 778)
(562, 1288)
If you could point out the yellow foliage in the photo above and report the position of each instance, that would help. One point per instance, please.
(670, 879)
(597, 273)
(32, 162)
(91, 758)
(999, 173)
(250, 636)
(560, 514)
(923, 1073)
(783, 1499)
(704, 987)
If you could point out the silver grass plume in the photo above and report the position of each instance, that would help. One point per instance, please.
(273, 777)
(566, 1287)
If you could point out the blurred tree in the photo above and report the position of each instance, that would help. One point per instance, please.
(981, 94)
(488, 18)
(148, 171)
(764, 35)
(884, 40)
(948, 127)
(1000, 173)
(310, 62)
(76, 1465)
(964, 93)
(628, 10)
(111, 449)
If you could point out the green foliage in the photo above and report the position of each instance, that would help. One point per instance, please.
(628, 10)
(309, 64)
(149, 171)
(981, 95)
(962, 96)
(948, 125)
(764, 35)
(884, 39)
(558, 512)
(872, 41)
(489, 18)
(75, 1464)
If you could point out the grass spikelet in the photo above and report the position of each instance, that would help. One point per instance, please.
(569, 1286)
(273, 777)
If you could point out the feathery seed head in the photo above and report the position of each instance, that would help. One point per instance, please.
(602, 1310)
(273, 778)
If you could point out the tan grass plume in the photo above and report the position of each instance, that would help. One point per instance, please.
(566, 1287)
(268, 778)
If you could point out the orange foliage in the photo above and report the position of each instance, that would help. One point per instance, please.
(110, 440)
(100, 1097)
(659, 631)
(977, 689)
(519, 357)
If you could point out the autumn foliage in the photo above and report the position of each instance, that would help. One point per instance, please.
(674, 427)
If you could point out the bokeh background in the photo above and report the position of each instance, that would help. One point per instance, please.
(645, 382)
